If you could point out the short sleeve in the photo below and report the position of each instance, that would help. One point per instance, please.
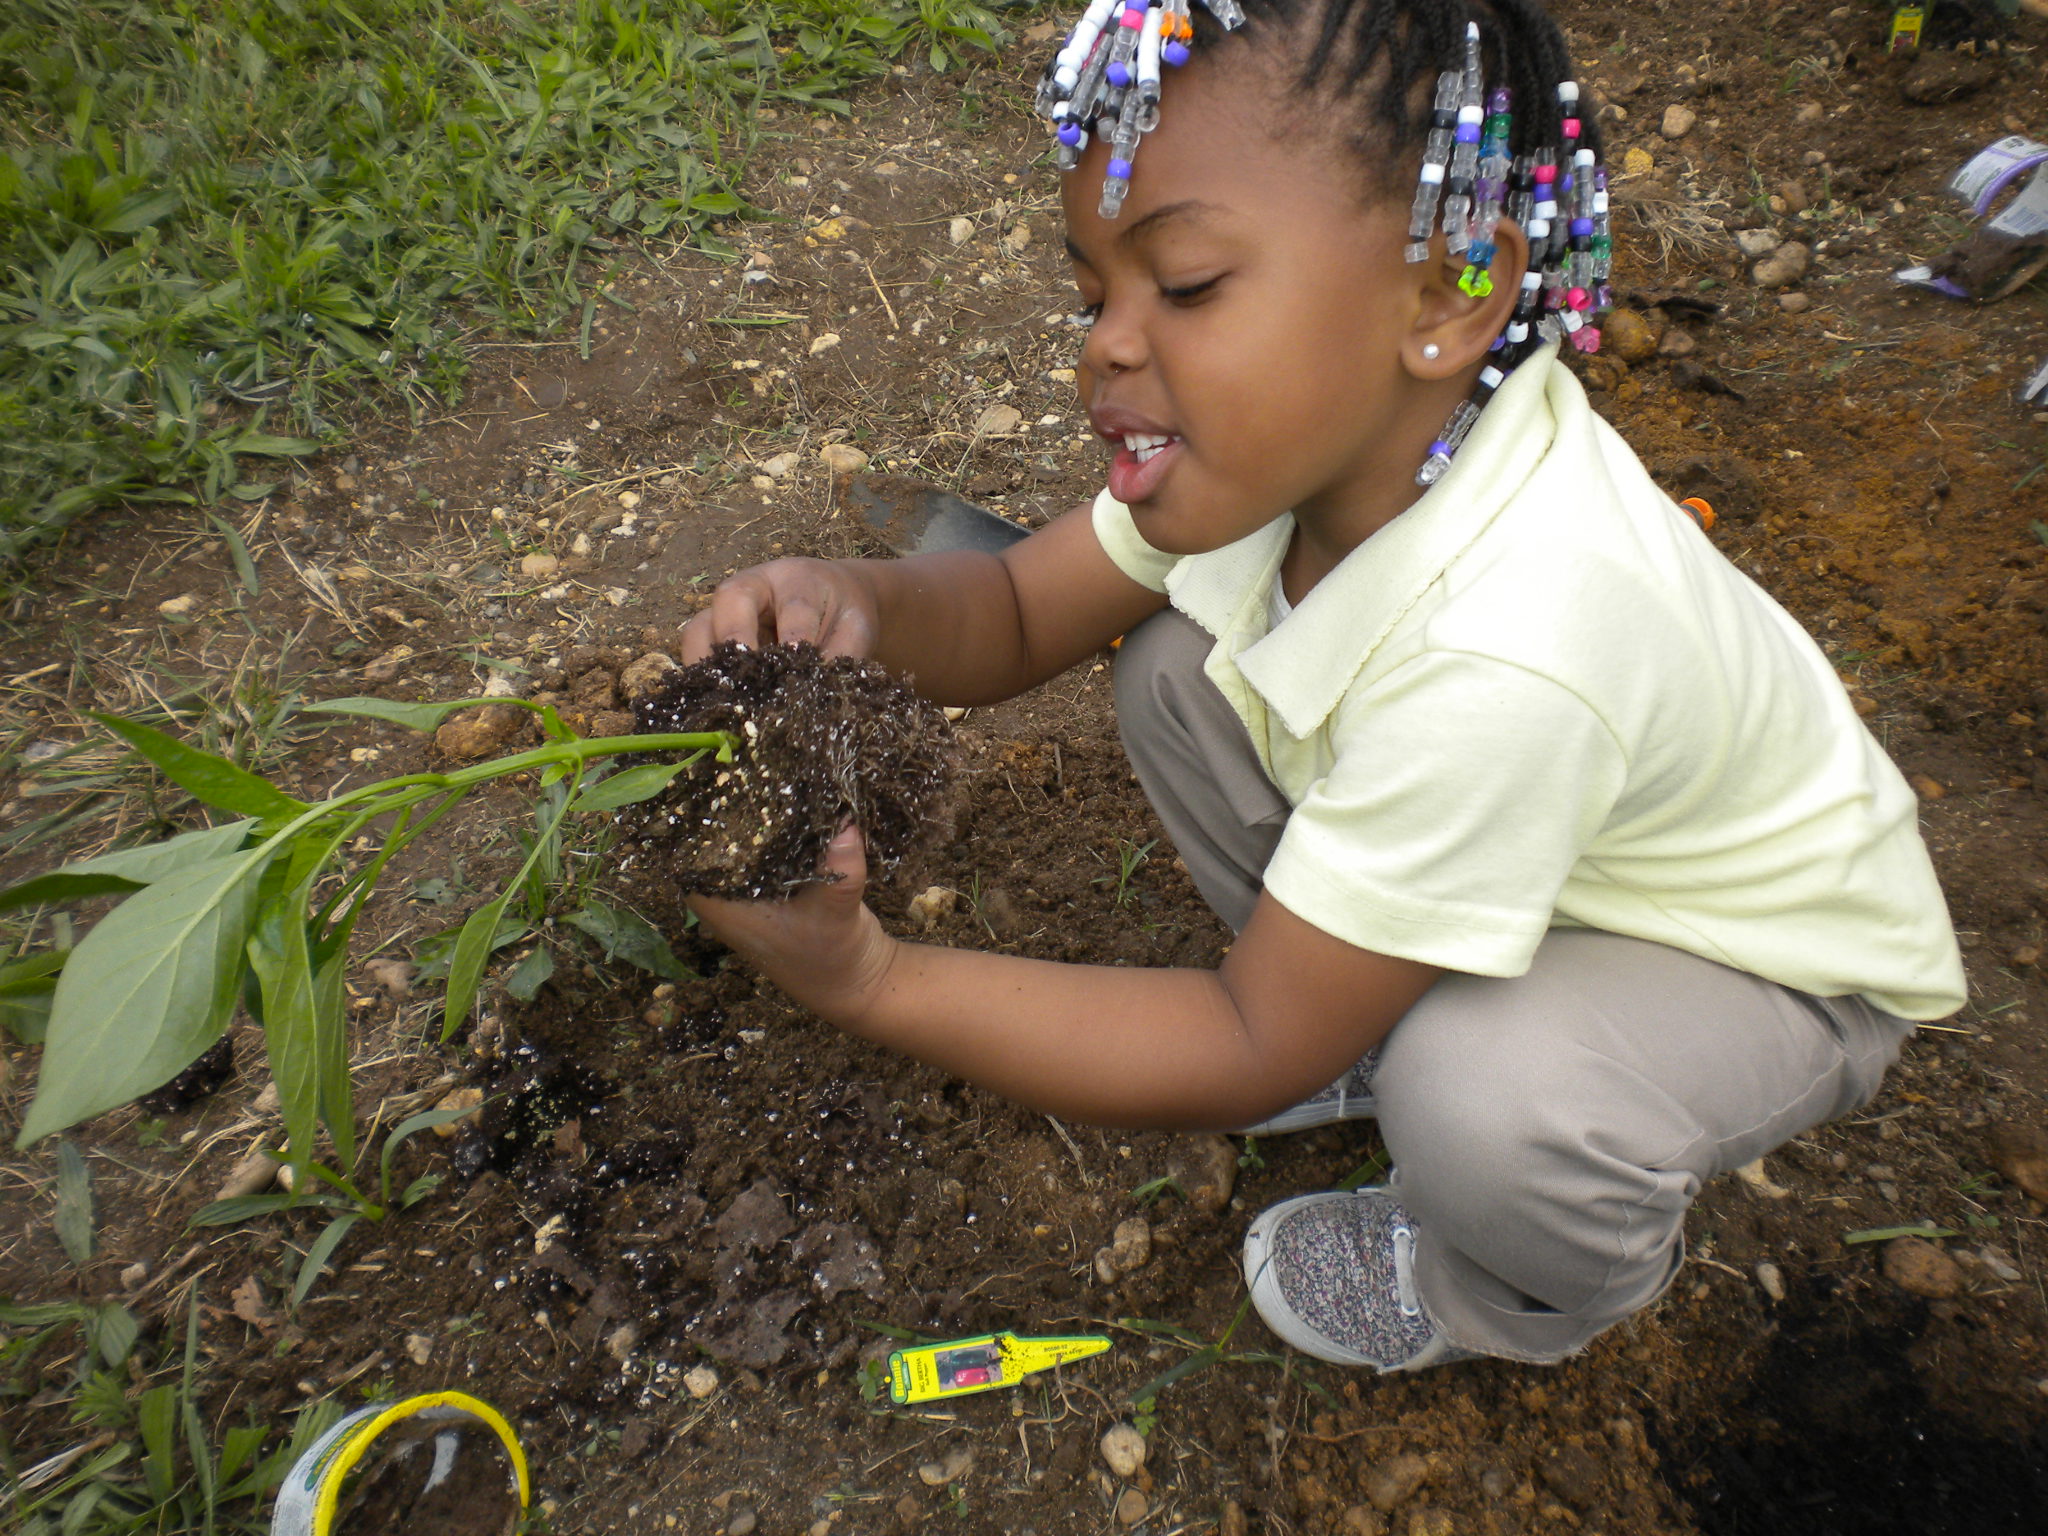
(1463, 791)
(1126, 548)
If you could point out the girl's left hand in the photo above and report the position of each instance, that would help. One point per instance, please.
(822, 946)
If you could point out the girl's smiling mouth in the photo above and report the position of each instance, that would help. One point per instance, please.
(1141, 463)
(1144, 453)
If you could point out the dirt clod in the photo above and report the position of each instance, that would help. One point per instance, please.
(1571, 1474)
(2020, 1153)
(822, 741)
(1390, 1483)
(481, 732)
(1919, 1268)
(1131, 1507)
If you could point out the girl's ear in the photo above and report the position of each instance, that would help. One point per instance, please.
(1454, 328)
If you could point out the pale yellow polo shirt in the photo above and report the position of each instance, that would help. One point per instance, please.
(1541, 697)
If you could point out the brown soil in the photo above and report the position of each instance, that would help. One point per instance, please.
(818, 742)
(700, 1176)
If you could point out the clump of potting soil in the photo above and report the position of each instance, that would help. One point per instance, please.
(823, 741)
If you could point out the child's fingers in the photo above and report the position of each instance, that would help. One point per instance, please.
(846, 861)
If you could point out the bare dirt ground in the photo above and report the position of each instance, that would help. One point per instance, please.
(703, 1177)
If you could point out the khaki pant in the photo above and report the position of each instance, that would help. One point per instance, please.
(1547, 1131)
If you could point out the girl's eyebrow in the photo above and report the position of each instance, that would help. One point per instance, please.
(1135, 233)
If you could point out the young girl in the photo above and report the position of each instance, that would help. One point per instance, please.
(1549, 839)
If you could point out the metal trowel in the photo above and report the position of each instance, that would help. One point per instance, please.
(914, 517)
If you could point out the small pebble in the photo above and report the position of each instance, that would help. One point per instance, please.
(960, 230)
(1795, 303)
(1123, 1448)
(1771, 1279)
(1678, 121)
(1131, 1507)
(133, 1276)
(700, 1381)
(743, 1521)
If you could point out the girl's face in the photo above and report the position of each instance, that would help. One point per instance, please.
(1255, 324)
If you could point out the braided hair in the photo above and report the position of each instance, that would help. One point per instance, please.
(1498, 135)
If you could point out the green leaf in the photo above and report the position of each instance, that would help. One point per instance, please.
(146, 991)
(74, 1204)
(129, 868)
(321, 1251)
(419, 1189)
(628, 787)
(1886, 1234)
(245, 568)
(26, 987)
(414, 717)
(403, 1132)
(203, 775)
(282, 959)
(473, 946)
(628, 936)
(112, 1332)
(25, 1010)
(527, 977)
(226, 1213)
(156, 1414)
(330, 1019)
(273, 446)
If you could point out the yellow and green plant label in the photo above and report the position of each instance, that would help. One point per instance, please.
(960, 1366)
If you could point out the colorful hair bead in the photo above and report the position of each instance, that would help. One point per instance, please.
(1104, 81)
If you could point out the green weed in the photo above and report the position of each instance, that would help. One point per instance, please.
(1130, 857)
(220, 222)
(151, 1466)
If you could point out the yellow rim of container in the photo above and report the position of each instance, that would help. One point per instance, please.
(358, 1443)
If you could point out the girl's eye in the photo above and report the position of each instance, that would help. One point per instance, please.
(1189, 293)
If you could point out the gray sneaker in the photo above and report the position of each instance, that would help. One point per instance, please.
(1348, 1098)
(1334, 1275)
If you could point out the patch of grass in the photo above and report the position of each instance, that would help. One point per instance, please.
(221, 222)
(143, 1459)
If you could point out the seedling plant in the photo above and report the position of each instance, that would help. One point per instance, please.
(260, 911)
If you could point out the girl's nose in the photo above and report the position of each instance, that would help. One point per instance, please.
(1115, 345)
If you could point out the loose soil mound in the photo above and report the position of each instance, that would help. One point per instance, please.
(821, 742)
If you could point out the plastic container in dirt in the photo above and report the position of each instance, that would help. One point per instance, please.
(444, 1464)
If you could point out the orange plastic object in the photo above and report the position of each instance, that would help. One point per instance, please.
(1697, 508)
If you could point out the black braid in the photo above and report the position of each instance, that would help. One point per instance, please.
(1388, 53)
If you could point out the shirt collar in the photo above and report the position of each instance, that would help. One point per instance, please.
(1303, 668)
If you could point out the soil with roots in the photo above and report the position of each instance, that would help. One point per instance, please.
(690, 1222)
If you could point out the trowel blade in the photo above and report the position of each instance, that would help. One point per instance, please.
(915, 518)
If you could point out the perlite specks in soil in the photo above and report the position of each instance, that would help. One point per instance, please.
(822, 741)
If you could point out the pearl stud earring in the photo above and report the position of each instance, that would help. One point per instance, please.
(1431, 351)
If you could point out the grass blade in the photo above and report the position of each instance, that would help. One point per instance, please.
(245, 568)
(74, 1204)
(315, 1262)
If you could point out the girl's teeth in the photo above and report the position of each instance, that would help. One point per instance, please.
(1144, 445)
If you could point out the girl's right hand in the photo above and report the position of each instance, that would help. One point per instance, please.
(786, 601)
